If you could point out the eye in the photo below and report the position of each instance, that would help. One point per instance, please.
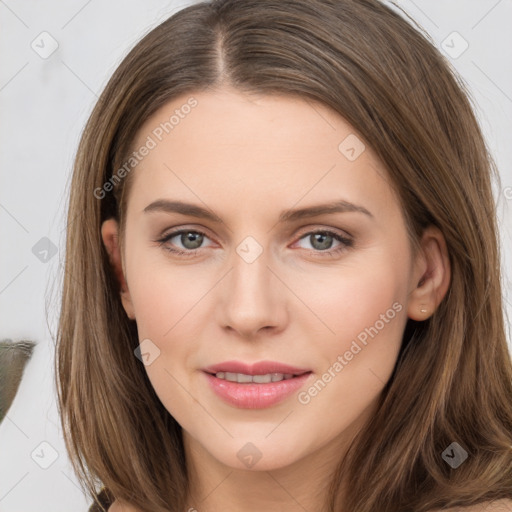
(321, 241)
(190, 239)
(191, 242)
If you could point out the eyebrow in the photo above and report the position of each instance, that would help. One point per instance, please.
(340, 206)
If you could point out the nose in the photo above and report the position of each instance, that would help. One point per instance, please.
(252, 299)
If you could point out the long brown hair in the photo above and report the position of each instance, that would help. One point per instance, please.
(453, 378)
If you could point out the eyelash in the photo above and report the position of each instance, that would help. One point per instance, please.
(347, 243)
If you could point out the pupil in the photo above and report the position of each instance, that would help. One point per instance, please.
(189, 237)
(319, 237)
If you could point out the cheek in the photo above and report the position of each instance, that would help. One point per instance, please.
(364, 307)
(167, 305)
(169, 301)
(355, 297)
(163, 293)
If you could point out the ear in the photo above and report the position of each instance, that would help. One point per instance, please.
(110, 236)
(431, 276)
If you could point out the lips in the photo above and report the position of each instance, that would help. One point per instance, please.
(255, 395)
(255, 386)
(259, 368)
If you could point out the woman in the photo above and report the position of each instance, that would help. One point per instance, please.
(282, 286)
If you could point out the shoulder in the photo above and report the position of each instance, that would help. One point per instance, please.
(117, 506)
(503, 505)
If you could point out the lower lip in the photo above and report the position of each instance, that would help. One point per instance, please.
(255, 396)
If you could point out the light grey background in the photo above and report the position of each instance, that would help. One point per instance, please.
(44, 105)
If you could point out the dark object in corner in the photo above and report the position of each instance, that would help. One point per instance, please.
(105, 498)
(14, 355)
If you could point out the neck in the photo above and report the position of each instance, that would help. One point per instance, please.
(299, 486)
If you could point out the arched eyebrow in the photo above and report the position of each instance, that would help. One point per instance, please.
(340, 206)
(193, 210)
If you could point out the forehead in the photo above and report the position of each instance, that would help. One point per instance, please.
(226, 146)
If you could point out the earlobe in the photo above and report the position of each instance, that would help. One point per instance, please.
(431, 279)
(110, 236)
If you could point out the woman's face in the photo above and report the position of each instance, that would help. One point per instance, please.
(250, 180)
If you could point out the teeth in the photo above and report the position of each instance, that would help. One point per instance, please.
(242, 378)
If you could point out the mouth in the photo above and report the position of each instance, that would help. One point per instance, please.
(262, 368)
(255, 386)
(244, 378)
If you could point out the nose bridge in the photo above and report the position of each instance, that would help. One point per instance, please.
(250, 278)
(252, 298)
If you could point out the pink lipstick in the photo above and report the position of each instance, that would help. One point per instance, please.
(255, 386)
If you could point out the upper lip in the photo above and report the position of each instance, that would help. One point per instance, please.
(259, 368)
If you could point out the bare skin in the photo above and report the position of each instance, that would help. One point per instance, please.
(498, 506)
(248, 158)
